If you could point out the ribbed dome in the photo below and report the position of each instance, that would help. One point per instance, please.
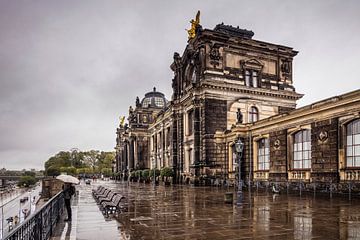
(154, 99)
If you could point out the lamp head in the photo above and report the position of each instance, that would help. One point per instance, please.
(239, 146)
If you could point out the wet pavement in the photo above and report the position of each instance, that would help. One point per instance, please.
(185, 212)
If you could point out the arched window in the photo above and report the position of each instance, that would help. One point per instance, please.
(353, 144)
(263, 154)
(253, 114)
(302, 149)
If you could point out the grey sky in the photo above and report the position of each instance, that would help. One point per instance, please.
(69, 69)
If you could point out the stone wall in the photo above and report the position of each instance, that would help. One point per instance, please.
(324, 162)
(214, 115)
(278, 156)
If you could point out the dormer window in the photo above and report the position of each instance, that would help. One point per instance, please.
(253, 114)
(251, 78)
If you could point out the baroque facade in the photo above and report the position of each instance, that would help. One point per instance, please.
(229, 86)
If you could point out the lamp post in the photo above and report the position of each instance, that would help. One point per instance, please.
(239, 147)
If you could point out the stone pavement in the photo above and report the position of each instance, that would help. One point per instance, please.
(184, 212)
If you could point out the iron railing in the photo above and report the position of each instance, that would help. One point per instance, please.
(41, 224)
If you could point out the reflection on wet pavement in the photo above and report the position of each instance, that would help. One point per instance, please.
(185, 212)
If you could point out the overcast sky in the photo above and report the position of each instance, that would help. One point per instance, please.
(69, 69)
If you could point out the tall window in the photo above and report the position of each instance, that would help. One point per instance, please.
(168, 136)
(263, 154)
(251, 78)
(353, 144)
(302, 149)
(190, 122)
(253, 114)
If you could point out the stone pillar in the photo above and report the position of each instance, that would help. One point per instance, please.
(196, 125)
(324, 148)
(278, 156)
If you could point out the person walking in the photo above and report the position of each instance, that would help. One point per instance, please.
(69, 191)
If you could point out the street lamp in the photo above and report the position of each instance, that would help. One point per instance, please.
(239, 147)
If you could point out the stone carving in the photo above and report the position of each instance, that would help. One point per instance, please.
(239, 116)
(323, 136)
(137, 102)
(277, 144)
(132, 116)
(214, 56)
(285, 66)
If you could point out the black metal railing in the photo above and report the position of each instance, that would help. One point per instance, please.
(41, 224)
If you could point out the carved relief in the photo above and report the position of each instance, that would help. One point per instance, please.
(215, 56)
(323, 136)
(277, 144)
(286, 67)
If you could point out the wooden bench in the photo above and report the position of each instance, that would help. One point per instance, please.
(108, 198)
(103, 195)
(99, 190)
(113, 206)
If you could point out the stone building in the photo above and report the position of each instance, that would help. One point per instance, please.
(229, 86)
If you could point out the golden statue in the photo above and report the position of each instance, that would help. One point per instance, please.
(122, 120)
(194, 24)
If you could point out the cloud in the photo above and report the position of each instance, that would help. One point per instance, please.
(69, 69)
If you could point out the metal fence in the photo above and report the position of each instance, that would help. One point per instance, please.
(40, 225)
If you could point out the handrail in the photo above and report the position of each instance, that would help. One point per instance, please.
(40, 225)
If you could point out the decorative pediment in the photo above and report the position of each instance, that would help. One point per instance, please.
(251, 64)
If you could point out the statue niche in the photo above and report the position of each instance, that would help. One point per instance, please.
(239, 116)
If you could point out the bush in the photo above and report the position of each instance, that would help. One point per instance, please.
(26, 181)
(157, 172)
(138, 173)
(145, 173)
(167, 172)
(106, 171)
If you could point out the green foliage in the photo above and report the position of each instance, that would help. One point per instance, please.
(146, 173)
(157, 172)
(68, 170)
(106, 171)
(138, 173)
(26, 181)
(29, 173)
(52, 171)
(132, 174)
(167, 172)
(78, 162)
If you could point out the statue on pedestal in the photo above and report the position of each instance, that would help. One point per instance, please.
(239, 116)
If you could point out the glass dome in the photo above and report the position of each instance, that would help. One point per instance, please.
(154, 99)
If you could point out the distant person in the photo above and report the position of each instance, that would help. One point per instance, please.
(69, 191)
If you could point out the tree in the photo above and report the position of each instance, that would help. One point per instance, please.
(53, 171)
(26, 181)
(106, 171)
(29, 173)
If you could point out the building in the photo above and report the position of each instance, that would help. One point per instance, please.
(228, 86)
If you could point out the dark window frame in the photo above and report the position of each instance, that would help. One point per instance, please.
(302, 150)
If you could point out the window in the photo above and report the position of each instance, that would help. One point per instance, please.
(263, 154)
(251, 78)
(302, 149)
(190, 122)
(159, 102)
(253, 114)
(353, 144)
(168, 136)
(146, 102)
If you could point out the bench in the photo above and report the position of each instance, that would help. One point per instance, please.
(99, 190)
(114, 205)
(105, 194)
(108, 198)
